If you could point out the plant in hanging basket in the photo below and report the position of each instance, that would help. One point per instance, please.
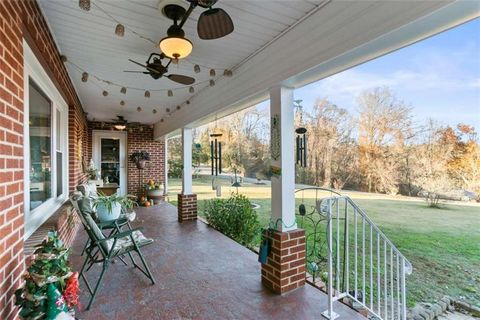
(140, 158)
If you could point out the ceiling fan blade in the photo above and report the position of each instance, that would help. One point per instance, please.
(181, 79)
(145, 72)
(146, 67)
(213, 24)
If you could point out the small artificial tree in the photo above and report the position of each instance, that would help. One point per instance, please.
(47, 281)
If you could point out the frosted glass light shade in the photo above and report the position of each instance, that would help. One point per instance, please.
(175, 47)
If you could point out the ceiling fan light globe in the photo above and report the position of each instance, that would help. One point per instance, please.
(175, 47)
(213, 24)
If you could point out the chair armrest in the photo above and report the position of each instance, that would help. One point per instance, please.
(121, 234)
(112, 223)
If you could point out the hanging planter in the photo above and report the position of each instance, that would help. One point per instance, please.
(140, 158)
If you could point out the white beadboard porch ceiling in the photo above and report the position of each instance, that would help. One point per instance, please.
(88, 40)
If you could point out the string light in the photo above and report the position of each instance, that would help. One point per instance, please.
(227, 73)
(187, 102)
(84, 5)
(123, 90)
(139, 109)
(105, 93)
(161, 120)
(147, 94)
(154, 111)
(212, 82)
(170, 93)
(120, 30)
(63, 58)
(168, 110)
(122, 103)
(84, 77)
(178, 107)
(196, 68)
(191, 89)
(212, 72)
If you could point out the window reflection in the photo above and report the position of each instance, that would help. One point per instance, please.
(40, 116)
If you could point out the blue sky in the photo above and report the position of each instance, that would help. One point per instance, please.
(438, 77)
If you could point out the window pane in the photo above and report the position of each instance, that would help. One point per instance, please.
(40, 120)
(58, 130)
(59, 173)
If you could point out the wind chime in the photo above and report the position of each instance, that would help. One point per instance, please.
(301, 139)
(216, 159)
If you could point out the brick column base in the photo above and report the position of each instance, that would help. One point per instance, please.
(285, 267)
(187, 207)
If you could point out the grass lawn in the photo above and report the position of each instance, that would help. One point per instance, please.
(442, 244)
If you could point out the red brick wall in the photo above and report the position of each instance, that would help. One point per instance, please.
(138, 139)
(23, 20)
(187, 207)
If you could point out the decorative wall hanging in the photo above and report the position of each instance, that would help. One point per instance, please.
(275, 137)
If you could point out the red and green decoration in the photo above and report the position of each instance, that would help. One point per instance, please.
(51, 288)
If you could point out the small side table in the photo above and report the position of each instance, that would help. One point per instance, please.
(108, 188)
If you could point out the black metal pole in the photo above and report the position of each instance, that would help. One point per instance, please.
(220, 157)
(304, 150)
(211, 154)
(216, 158)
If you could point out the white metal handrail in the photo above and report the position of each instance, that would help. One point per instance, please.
(376, 278)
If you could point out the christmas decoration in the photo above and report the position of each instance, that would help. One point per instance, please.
(45, 280)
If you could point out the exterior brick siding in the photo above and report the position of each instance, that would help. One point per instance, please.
(187, 207)
(21, 20)
(139, 138)
(285, 267)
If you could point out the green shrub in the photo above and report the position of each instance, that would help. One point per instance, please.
(235, 218)
(175, 168)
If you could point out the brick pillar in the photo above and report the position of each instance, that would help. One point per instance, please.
(187, 207)
(285, 267)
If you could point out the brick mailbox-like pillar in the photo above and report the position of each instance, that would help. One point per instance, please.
(285, 267)
(187, 207)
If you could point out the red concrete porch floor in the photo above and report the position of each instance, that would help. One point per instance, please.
(200, 274)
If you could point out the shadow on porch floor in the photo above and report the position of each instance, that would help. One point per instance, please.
(200, 274)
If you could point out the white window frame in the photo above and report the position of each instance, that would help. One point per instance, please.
(33, 71)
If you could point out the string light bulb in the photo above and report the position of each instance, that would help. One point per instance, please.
(84, 5)
(139, 109)
(187, 102)
(227, 73)
(122, 103)
(105, 93)
(168, 109)
(212, 72)
(154, 111)
(161, 120)
(63, 58)
(196, 68)
(191, 89)
(120, 30)
(212, 82)
(178, 107)
(123, 90)
(147, 94)
(170, 93)
(84, 77)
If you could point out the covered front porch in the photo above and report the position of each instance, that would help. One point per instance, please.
(200, 274)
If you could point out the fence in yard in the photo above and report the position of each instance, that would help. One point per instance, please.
(350, 257)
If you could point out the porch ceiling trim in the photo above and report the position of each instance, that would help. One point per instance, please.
(345, 34)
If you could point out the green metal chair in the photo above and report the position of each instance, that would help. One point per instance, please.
(103, 250)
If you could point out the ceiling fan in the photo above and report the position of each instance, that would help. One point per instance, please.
(213, 23)
(121, 123)
(156, 69)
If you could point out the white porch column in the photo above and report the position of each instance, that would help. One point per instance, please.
(283, 151)
(165, 166)
(187, 160)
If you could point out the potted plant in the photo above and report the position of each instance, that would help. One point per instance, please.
(154, 190)
(109, 207)
(140, 158)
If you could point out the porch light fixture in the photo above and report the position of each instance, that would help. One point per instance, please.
(175, 45)
(120, 126)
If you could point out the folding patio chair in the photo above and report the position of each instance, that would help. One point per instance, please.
(102, 250)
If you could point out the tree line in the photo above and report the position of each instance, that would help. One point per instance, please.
(380, 148)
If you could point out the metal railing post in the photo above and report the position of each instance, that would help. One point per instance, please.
(329, 314)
